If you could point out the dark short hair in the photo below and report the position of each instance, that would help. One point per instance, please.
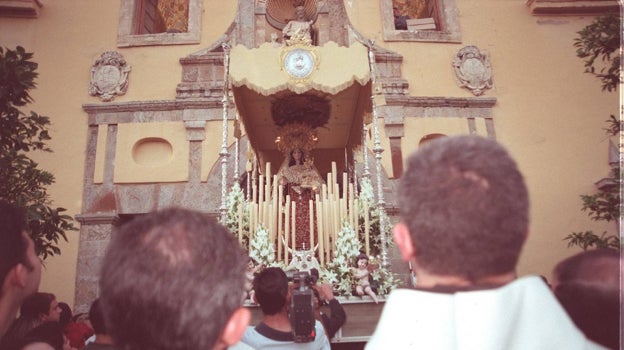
(271, 290)
(12, 243)
(361, 256)
(599, 267)
(588, 287)
(66, 314)
(96, 317)
(36, 305)
(466, 206)
(171, 280)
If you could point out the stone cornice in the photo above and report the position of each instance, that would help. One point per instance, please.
(572, 7)
(110, 218)
(452, 102)
(156, 105)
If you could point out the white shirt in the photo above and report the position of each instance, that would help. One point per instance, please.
(521, 315)
(273, 339)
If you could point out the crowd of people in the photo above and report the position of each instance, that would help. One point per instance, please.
(176, 279)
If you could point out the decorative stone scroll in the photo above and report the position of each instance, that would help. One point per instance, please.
(473, 70)
(109, 76)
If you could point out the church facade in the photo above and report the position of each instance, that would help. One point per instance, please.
(169, 102)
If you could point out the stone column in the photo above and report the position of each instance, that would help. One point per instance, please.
(95, 234)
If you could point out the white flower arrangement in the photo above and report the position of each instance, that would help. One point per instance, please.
(262, 251)
(383, 280)
(234, 200)
(338, 271)
(367, 195)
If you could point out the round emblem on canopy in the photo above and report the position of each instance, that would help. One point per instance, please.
(299, 63)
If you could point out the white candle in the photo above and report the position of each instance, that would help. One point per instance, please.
(254, 192)
(319, 227)
(271, 227)
(336, 213)
(366, 229)
(334, 177)
(240, 223)
(345, 185)
(286, 228)
(294, 225)
(267, 192)
(252, 222)
(260, 198)
(280, 222)
(311, 223)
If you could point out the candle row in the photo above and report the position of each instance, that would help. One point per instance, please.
(269, 208)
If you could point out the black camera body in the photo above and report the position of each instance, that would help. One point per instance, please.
(302, 307)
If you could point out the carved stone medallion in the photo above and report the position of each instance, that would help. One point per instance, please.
(109, 76)
(473, 70)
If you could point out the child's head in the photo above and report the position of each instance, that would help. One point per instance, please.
(361, 260)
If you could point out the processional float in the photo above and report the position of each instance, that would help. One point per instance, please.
(283, 96)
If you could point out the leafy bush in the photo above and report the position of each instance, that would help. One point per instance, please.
(21, 181)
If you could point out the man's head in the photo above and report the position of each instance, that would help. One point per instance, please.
(588, 287)
(596, 267)
(174, 279)
(96, 317)
(20, 269)
(464, 209)
(42, 307)
(66, 314)
(271, 290)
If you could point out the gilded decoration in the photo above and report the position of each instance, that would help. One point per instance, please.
(109, 76)
(299, 62)
(296, 135)
(473, 70)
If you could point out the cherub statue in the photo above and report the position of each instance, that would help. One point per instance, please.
(250, 273)
(361, 273)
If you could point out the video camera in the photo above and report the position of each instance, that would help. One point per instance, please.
(302, 307)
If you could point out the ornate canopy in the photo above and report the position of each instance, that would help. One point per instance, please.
(333, 98)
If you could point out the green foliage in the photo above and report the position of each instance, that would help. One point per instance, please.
(614, 126)
(589, 239)
(604, 205)
(601, 41)
(601, 206)
(383, 279)
(21, 181)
